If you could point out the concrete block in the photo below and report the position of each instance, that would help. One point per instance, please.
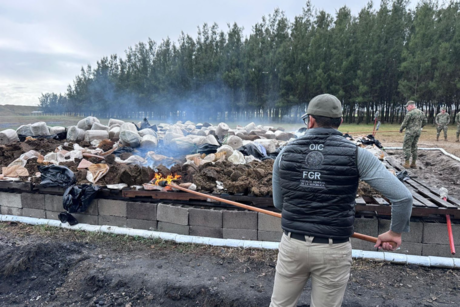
(109, 207)
(439, 250)
(112, 220)
(362, 245)
(368, 227)
(142, 211)
(205, 218)
(272, 236)
(53, 203)
(269, 223)
(141, 224)
(172, 214)
(437, 233)
(410, 248)
(240, 234)
(33, 201)
(240, 220)
(11, 211)
(206, 231)
(52, 215)
(86, 218)
(173, 228)
(38, 213)
(10, 200)
(415, 235)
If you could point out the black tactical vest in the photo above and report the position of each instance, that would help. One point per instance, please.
(319, 179)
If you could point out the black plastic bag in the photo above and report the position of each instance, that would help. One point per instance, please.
(207, 149)
(56, 176)
(58, 136)
(370, 140)
(78, 198)
(252, 150)
(403, 175)
(65, 217)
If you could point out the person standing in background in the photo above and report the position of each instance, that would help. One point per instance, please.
(457, 121)
(413, 122)
(442, 123)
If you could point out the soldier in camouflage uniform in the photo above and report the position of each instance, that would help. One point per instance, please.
(413, 122)
(457, 121)
(442, 123)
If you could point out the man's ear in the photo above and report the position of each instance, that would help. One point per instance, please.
(311, 122)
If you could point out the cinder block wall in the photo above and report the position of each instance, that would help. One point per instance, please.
(427, 239)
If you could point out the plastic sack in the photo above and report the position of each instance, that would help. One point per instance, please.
(113, 121)
(8, 136)
(56, 176)
(237, 158)
(87, 123)
(77, 199)
(39, 128)
(234, 141)
(99, 126)
(130, 138)
(24, 130)
(251, 149)
(114, 133)
(75, 134)
(99, 135)
(207, 149)
(56, 130)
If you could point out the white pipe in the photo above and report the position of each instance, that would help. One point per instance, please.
(429, 261)
(432, 149)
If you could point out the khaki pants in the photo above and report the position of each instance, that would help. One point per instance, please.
(328, 265)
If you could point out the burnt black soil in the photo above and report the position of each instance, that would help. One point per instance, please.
(54, 267)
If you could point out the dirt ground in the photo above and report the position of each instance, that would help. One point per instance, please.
(44, 266)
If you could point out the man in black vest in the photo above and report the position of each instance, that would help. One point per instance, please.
(315, 179)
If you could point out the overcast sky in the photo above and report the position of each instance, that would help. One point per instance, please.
(43, 44)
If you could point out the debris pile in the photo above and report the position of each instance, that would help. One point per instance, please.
(208, 158)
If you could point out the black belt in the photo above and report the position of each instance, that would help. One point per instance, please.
(301, 237)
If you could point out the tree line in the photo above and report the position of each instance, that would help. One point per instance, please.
(376, 60)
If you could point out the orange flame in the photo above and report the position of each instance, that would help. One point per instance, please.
(159, 177)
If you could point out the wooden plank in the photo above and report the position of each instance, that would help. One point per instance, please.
(433, 198)
(420, 199)
(450, 199)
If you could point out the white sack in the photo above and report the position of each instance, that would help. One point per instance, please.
(147, 132)
(128, 127)
(24, 130)
(87, 123)
(114, 133)
(98, 126)
(222, 129)
(210, 139)
(234, 141)
(149, 141)
(130, 138)
(227, 148)
(237, 158)
(115, 122)
(250, 127)
(75, 134)
(56, 130)
(8, 136)
(92, 135)
(173, 133)
(39, 128)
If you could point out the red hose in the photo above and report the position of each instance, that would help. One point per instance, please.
(449, 231)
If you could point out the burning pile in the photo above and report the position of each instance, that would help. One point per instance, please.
(198, 156)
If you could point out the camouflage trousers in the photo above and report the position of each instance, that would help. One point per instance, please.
(439, 128)
(410, 146)
(458, 131)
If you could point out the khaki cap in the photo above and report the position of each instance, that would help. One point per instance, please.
(325, 105)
